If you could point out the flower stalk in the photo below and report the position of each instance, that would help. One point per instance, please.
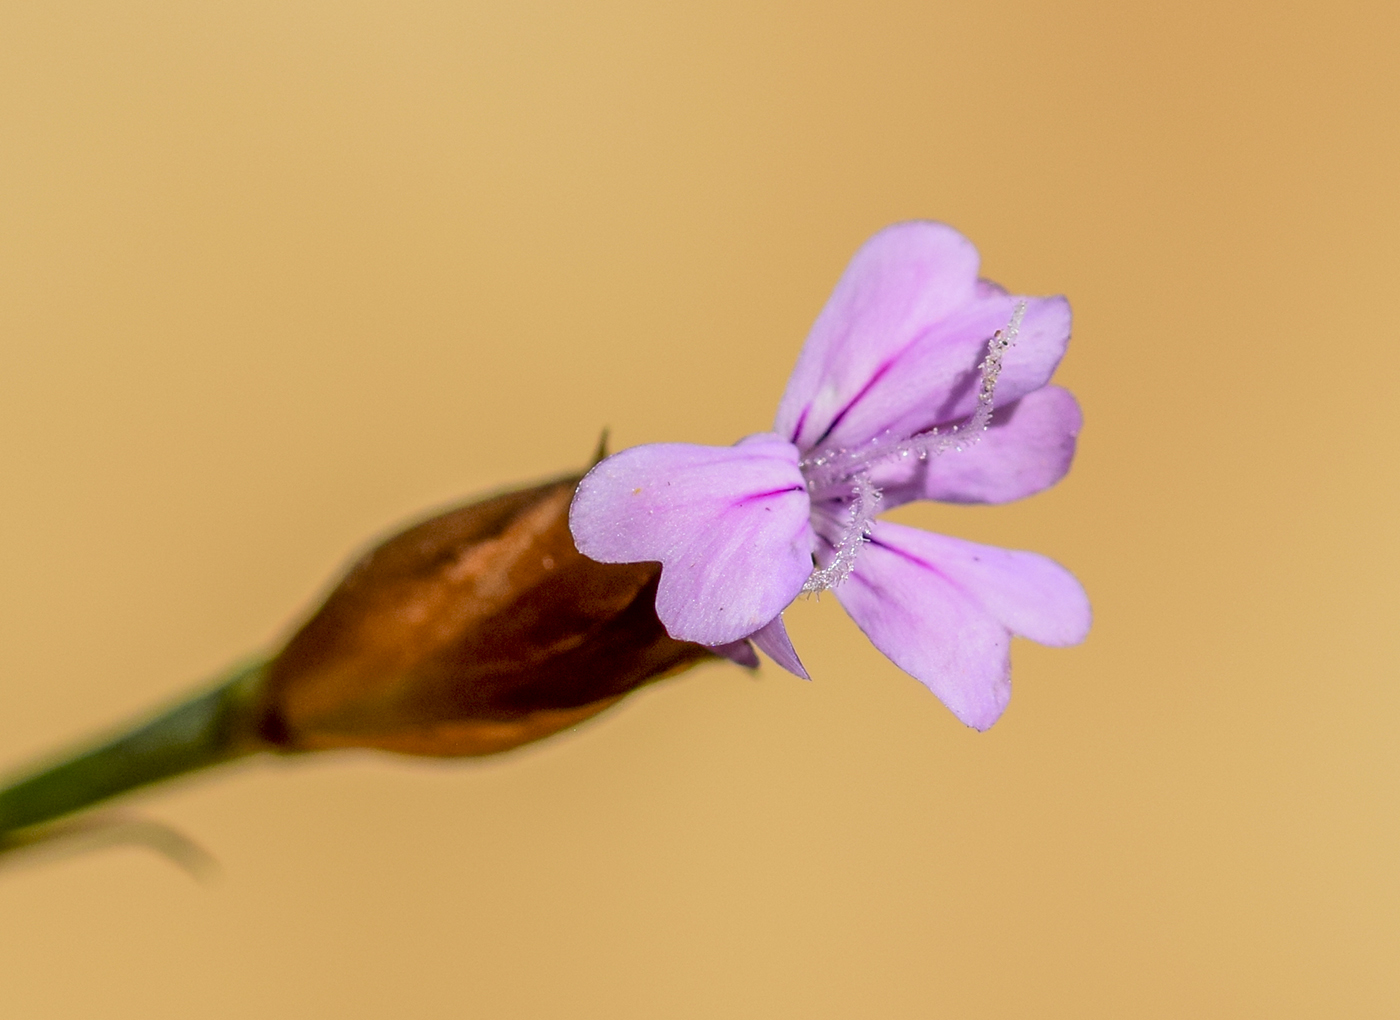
(212, 727)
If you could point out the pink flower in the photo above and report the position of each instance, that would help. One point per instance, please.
(919, 381)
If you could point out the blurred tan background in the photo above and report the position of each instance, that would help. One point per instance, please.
(277, 276)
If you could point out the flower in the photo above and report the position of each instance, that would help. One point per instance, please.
(918, 381)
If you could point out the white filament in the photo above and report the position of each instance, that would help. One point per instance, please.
(864, 498)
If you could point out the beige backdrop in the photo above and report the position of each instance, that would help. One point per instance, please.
(275, 276)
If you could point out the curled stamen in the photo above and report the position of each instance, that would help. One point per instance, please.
(865, 497)
(827, 467)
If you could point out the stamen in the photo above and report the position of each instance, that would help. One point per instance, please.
(865, 497)
(931, 444)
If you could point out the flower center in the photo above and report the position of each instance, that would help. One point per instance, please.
(840, 480)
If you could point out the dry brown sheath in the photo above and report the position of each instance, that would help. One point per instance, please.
(471, 633)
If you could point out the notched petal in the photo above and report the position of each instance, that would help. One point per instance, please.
(944, 611)
(902, 280)
(1029, 594)
(935, 379)
(728, 524)
(929, 628)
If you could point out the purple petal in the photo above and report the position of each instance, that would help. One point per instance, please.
(904, 278)
(729, 526)
(740, 652)
(935, 380)
(944, 610)
(1028, 448)
(897, 346)
(1029, 594)
(774, 642)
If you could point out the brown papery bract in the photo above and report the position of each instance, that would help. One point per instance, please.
(473, 632)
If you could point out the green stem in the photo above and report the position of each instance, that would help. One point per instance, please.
(212, 727)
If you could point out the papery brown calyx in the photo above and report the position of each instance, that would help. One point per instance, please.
(473, 632)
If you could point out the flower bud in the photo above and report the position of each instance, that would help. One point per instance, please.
(471, 633)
